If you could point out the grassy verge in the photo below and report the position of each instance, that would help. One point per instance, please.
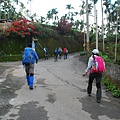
(10, 58)
(111, 87)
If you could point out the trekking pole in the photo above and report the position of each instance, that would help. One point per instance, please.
(34, 81)
(34, 78)
(42, 47)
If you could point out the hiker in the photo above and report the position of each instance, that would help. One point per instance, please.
(65, 50)
(96, 67)
(56, 55)
(59, 52)
(29, 57)
(46, 53)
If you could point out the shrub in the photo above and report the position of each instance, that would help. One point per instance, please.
(11, 58)
(111, 87)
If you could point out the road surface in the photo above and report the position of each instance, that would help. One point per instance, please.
(60, 93)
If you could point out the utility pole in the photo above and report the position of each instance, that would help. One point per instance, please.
(0, 9)
(87, 23)
(84, 30)
(102, 27)
(116, 39)
(95, 22)
(96, 32)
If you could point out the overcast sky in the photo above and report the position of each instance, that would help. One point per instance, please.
(42, 7)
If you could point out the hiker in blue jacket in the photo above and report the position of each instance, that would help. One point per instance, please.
(94, 74)
(29, 57)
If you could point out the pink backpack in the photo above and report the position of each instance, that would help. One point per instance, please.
(99, 65)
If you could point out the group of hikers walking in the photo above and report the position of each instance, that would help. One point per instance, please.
(95, 68)
(58, 52)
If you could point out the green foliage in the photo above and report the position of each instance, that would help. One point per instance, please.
(112, 37)
(82, 53)
(74, 30)
(46, 31)
(10, 58)
(92, 37)
(110, 52)
(111, 87)
(105, 57)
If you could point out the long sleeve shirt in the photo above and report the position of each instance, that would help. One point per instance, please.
(90, 64)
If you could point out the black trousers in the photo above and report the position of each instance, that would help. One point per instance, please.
(97, 77)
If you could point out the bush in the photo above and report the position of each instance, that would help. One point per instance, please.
(11, 58)
(111, 87)
(82, 53)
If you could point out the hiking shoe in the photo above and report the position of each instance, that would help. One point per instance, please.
(98, 101)
(31, 87)
(89, 94)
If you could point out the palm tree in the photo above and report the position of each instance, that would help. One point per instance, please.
(107, 4)
(27, 12)
(118, 14)
(64, 17)
(102, 27)
(16, 1)
(49, 16)
(95, 15)
(86, 9)
(70, 15)
(82, 12)
(76, 24)
(1, 1)
(22, 7)
(12, 13)
(32, 17)
(54, 15)
(42, 19)
(82, 25)
(83, 6)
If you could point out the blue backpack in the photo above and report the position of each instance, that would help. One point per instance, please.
(27, 56)
(66, 51)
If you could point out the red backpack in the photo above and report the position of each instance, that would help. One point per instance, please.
(99, 65)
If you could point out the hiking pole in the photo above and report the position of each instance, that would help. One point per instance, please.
(34, 79)
(35, 82)
(42, 47)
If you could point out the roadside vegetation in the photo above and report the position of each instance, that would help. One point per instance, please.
(109, 86)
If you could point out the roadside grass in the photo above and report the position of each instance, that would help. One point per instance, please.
(109, 86)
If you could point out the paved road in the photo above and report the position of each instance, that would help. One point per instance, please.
(60, 93)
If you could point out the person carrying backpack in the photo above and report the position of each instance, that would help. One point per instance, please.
(59, 52)
(29, 57)
(46, 53)
(96, 66)
(56, 55)
(65, 50)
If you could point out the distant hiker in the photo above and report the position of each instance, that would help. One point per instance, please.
(59, 52)
(65, 50)
(46, 53)
(56, 55)
(29, 57)
(96, 67)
